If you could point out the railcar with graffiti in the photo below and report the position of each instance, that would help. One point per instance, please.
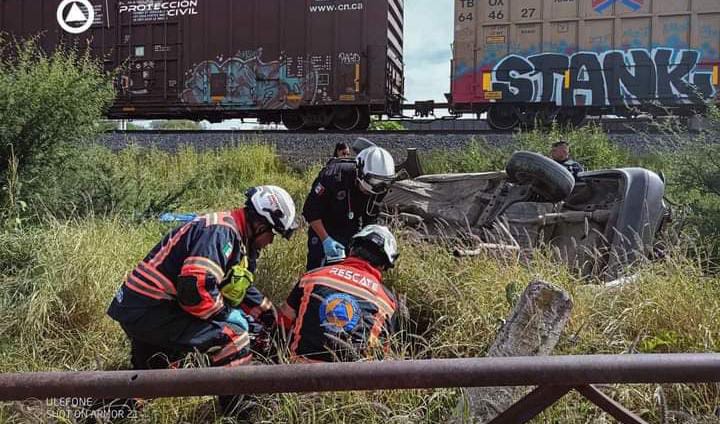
(248, 82)
(560, 60)
(309, 64)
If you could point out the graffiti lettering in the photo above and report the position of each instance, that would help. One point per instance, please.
(612, 78)
(249, 83)
(349, 58)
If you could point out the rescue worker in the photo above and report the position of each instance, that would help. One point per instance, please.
(560, 153)
(342, 150)
(343, 199)
(193, 290)
(343, 312)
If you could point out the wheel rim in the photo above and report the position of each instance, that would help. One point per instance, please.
(346, 119)
(503, 118)
(293, 120)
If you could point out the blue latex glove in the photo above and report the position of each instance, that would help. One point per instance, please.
(174, 217)
(333, 250)
(237, 317)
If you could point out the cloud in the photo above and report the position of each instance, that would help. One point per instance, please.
(428, 39)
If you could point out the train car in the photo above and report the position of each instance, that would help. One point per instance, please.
(525, 61)
(306, 63)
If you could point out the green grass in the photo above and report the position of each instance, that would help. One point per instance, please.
(58, 276)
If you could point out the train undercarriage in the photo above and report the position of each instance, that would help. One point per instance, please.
(505, 117)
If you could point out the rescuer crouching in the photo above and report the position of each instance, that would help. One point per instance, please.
(195, 292)
(343, 312)
(343, 200)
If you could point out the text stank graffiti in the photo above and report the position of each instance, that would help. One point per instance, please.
(611, 78)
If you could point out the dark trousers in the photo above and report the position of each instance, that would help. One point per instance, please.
(166, 333)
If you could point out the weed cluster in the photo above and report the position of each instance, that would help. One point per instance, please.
(83, 216)
(58, 277)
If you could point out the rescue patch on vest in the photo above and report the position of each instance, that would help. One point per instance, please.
(319, 189)
(339, 312)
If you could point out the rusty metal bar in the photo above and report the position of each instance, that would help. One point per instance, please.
(531, 405)
(514, 371)
(609, 405)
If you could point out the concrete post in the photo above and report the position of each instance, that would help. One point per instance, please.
(533, 329)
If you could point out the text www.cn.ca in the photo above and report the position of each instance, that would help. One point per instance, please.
(336, 7)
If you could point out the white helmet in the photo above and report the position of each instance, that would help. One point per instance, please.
(276, 206)
(379, 241)
(376, 169)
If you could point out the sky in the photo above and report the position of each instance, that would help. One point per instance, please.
(428, 39)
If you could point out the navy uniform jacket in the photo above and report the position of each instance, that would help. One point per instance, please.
(572, 166)
(341, 312)
(336, 199)
(189, 267)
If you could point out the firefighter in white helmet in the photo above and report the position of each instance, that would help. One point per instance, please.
(195, 290)
(343, 200)
(344, 312)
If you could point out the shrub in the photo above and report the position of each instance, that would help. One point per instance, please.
(377, 125)
(142, 183)
(588, 145)
(477, 156)
(47, 101)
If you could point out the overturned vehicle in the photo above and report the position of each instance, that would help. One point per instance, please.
(599, 222)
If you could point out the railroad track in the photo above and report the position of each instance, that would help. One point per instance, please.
(302, 149)
(611, 126)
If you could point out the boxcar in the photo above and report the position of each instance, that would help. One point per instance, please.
(306, 63)
(541, 60)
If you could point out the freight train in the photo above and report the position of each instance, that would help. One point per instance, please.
(333, 64)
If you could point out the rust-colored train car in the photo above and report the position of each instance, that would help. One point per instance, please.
(543, 60)
(306, 63)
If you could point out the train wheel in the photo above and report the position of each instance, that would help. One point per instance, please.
(503, 117)
(293, 120)
(346, 118)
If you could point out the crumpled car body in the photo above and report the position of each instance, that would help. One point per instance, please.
(610, 220)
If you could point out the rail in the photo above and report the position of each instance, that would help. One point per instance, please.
(554, 375)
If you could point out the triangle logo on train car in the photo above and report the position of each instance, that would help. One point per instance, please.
(75, 15)
(78, 19)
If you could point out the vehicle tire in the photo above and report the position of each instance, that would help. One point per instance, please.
(503, 117)
(547, 178)
(293, 120)
(346, 118)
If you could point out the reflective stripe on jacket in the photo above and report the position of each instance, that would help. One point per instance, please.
(340, 312)
(190, 266)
